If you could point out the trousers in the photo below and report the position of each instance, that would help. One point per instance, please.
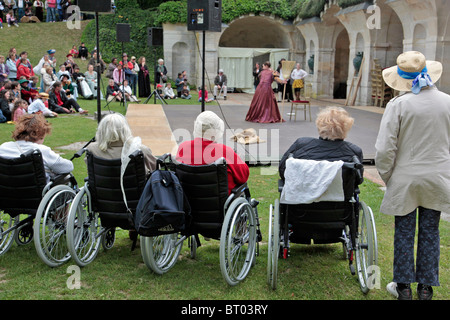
(426, 268)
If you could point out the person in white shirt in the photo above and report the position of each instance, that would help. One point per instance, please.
(29, 134)
(38, 105)
(298, 74)
(168, 92)
(126, 89)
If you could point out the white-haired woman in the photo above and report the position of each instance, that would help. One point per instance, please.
(113, 133)
(205, 149)
(161, 72)
(333, 124)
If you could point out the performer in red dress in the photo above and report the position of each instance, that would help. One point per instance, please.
(264, 107)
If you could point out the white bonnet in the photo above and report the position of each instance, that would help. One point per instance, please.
(208, 126)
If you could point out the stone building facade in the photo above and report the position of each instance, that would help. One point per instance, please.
(380, 31)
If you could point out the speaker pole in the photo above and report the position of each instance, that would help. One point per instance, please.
(99, 107)
(203, 71)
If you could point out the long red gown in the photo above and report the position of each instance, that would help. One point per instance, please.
(264, 106)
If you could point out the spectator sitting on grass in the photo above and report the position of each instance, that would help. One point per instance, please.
(185, 94)
(11, 19)
(168, 92)
(38, 106)
(26, 93)
(60, 103)
(24, 68)
(113, 92)
(20, 108)
(4, 105)
(179, 83)
(126, 89)
(206, 96)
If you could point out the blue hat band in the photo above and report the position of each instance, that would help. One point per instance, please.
(421, 79)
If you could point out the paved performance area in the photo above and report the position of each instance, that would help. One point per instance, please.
(277, 137)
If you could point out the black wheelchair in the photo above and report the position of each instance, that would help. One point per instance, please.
(100, 207)
(24, 191)
(232, 219)
(350, 222)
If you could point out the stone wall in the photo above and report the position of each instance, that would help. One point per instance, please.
(381, 32)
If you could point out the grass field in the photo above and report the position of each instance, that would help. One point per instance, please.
(312, 272)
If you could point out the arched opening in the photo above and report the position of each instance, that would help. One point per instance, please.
(181, 62)
(341, 65)
(256, 39)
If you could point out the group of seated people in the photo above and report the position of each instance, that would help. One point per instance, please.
(333, 124)
(44, 84)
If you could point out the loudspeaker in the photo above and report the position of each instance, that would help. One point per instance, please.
(95, 6)
(154, 37)
(123, 32)
(205, 15)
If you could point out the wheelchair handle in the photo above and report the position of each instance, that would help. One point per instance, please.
(80, 152)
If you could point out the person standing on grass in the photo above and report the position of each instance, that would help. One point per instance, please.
(413, 159)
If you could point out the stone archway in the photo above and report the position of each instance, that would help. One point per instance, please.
(255, 32)
(257, 39)
(341, 65)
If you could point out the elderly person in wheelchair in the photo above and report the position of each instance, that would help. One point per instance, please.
(213, 178)
(204, 149)
(113, 135)
(333, 124)
(35, 181)
(319, 198)
(29, 134)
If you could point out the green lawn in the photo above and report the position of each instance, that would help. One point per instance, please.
(312, 272)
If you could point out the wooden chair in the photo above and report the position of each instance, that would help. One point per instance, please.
(302, 105)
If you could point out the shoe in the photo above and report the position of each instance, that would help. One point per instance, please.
(392, 288)
(84, 112)
(424, 292)
(404, 291)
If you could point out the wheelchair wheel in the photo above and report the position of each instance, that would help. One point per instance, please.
(273, 244)
(237, 241)
(366, 250)
(24, 234)
(108, 238)
(161, 253)
(50, 225)
(6, 237)
(83, 230)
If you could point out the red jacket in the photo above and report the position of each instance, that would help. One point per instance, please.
(23, 70)
(201, 152)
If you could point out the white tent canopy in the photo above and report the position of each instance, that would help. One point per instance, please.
(237, 64)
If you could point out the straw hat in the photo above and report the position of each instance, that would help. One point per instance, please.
(43, 95)
(410, 65)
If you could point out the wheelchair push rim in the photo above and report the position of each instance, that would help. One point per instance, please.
(237, 242)
(83, 230)
(161, 253)
(7, 231)
(366, 251)
(273, 244)
(50, 225)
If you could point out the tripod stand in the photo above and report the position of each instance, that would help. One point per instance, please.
(156, 94)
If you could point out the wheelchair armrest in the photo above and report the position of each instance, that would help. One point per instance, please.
(236, 193)
(239, 189)
(64, 178)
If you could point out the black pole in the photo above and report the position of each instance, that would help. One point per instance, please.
(99, 107)
(203, 72)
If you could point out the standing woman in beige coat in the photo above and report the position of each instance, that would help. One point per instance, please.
(413, 160)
